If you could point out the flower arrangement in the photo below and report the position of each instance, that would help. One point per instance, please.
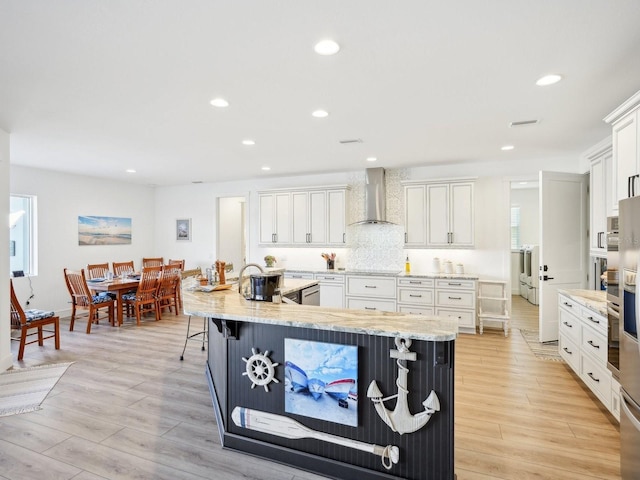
(269, 260)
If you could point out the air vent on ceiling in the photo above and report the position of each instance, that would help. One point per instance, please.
(353, 140)
(523, 123)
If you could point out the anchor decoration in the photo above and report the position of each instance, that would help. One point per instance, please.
(401, 420)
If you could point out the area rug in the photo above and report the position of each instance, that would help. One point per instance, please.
(24, 389)
(545, 351)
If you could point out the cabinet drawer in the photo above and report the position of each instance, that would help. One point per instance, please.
(370, 304)
(598, 379)
(415, 310)
(595, 344)
(466, 319)
(415, 296)
(455, 298)
(379, 287)
(415, 282)
(569, 305)
(569, 326)
(591, 318)
(570, 352)
(454, 284)
(329, 278)
(306, 276)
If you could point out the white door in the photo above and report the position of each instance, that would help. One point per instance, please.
(563, 244)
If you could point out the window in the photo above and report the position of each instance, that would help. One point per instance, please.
(22, 236)
(515, 228)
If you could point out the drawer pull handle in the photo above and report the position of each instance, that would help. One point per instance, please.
(593, 320)
(454, 284)
(568, 324)
(370, 286)
(370, 308)
(567, 350)
(590, 342)
(455, 298)
(568, 304)
(593, 378)
(328, 278)
(415, 282)
(415, 296)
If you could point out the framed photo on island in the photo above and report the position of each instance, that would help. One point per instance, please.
(183, 229)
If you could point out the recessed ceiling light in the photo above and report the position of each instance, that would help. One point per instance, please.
(248, 141)
(219, 102)
(130, 170)
(320, 113)
(507, 147)
(266, 168)
(549, 80)
(326, 47)
(371, 159)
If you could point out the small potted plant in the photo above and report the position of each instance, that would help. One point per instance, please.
(269, 261)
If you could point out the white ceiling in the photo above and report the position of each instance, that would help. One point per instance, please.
(95, 86)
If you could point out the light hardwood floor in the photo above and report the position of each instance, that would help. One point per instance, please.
(129, 408)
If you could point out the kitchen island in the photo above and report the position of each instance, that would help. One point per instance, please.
(391, 417)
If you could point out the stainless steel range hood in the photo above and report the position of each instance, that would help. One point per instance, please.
(375, 197)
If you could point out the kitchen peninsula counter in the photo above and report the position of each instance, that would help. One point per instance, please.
(247, 373)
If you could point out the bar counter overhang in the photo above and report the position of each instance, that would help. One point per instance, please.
(244, 334)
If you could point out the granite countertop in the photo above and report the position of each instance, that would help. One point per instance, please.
(596, 300)
(229, 305)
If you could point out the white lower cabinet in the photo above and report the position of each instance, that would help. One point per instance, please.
(331, 289)
(415, 296)
(583, 345)
(368, 292)
(457, 298)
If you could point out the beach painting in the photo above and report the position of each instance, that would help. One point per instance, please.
(321, 380)
(104, 230)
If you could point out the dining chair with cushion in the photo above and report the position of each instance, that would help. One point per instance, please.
(96, 306)
(178, 263)
(34, 320)
(168, 289)
(143, 300)
(120, 268)
(97, 270)
(152, 262)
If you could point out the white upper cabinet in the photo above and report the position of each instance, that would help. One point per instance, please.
(439, 215)
(626, 153)
(314, 217)
(600, 169)
(275, 217)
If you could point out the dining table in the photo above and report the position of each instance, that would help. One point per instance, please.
(117, 285)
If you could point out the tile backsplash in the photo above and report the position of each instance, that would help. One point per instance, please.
(375, 247)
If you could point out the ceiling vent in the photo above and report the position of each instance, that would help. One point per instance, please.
(523, 123)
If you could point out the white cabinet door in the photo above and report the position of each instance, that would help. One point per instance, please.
(267, 207)
(597, 199)
(300, 215)
(415, 219)
(332, 295)
(625, 152)
(337, 213)
(317, 218)
(438, 215)
(461, 220)
(283, 218)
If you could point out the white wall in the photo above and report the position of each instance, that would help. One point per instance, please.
(61, 199)
(528, 201)
(5, 323)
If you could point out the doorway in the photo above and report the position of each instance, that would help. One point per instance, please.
(231, 231)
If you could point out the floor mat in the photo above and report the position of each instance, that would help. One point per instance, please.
(545, 351)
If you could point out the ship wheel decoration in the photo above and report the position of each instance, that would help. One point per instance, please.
(260, 369)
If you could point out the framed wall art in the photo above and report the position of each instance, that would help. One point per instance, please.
(183, 229)
(94, 230)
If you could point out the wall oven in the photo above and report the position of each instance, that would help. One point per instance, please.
(613, 296)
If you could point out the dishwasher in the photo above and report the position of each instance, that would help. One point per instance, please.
(306, 296)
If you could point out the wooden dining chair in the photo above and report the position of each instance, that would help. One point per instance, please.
(144, 298)
(96, 306)
(97, 270)
(178, 263)
(152, 262)
(123, 267)
(33, 320)
(168, 289)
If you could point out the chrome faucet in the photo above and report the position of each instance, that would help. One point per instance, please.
(242, 271)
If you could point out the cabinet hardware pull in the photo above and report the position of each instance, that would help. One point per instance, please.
(415, 282)
(592, 377)
(328, 278)
(455, 298)
(454, 284)
(593, 320)
(370, 286)
(370, 308)
(406, 237)
(567, 350)
(416, 296)
(568, 324)
(568, 304)
(344, 238)
(590, 342)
